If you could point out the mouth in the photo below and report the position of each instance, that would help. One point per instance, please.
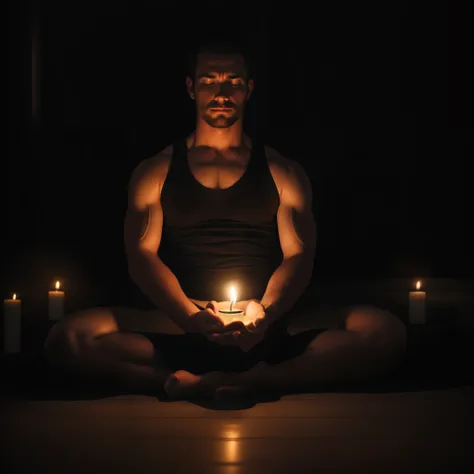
(221, 109)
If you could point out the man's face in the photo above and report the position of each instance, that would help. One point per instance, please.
(220, 88)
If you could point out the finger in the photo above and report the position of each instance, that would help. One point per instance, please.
(235, 326)
(214, 318)
(226, 333)
(258, 322)
(220, 322)
(210, 309)
(252, 331)
(216, 326)
(212, 305)
(230, 339)
(229, 328)
(252, 327)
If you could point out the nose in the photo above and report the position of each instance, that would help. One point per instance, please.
(221, 98)
(223, 92)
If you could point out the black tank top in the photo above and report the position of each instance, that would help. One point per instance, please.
(213, 238)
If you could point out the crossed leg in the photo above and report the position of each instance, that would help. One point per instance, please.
(367, 343)
(104, 344)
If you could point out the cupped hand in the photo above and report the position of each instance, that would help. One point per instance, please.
(245, 336)
(207, 322)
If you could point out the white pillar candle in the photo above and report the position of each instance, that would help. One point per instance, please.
(56, 303)
(232, 314)
(12, 325)
(417, 314)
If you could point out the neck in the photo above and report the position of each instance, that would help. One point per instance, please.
(218, 138)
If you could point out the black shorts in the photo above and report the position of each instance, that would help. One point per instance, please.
(196, 354)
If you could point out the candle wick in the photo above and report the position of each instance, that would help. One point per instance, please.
(231, 302)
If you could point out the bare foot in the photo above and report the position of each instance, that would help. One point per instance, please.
(241, 386)
(183, 385)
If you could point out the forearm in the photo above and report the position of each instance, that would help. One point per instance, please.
(159, 283)
(286, 285)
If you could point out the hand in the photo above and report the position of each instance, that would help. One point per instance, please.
(245, 336)
(257, 328)
(207, 322)
(255, 312)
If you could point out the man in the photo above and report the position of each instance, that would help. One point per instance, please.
(217, 209)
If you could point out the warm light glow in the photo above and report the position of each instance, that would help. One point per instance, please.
(418, 284)
(231, 432)
(57, 285)
(14, 296)
(231, 452)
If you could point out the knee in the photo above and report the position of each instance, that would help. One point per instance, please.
(69, 336)
(380, 328)
(60, 345)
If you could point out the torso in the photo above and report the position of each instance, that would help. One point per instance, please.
(218, 171)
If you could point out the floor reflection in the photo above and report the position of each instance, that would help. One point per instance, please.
(230, 447)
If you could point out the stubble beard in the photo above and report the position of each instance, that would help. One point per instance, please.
(220, 121)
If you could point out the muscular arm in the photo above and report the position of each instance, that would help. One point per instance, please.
(297, 232)
(142, 233)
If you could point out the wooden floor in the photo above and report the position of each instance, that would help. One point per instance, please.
(422, 432)
(426, 431)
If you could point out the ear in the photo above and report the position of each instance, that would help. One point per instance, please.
(250, 86)
(189, 87)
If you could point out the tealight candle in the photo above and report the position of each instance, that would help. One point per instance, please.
(417, 305)
(231, 314)
(12, 325)
(56, 303)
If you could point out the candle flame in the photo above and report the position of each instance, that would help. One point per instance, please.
(233, 297)
(14, 296)
(418, 284)
(57, 285)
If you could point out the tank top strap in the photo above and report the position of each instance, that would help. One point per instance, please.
(257, 159)
(178, 170)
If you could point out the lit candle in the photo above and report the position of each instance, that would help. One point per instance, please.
(231, 314)
(12, 324)
(56, 303)
(417, 305)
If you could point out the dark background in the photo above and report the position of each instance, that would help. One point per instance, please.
(374, 101)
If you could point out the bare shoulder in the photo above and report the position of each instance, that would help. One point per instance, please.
(148, 177)
(287, 173)
(152, 171)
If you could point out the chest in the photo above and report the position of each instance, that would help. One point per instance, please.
(217, 175)
(217, 170)
(204, 187)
